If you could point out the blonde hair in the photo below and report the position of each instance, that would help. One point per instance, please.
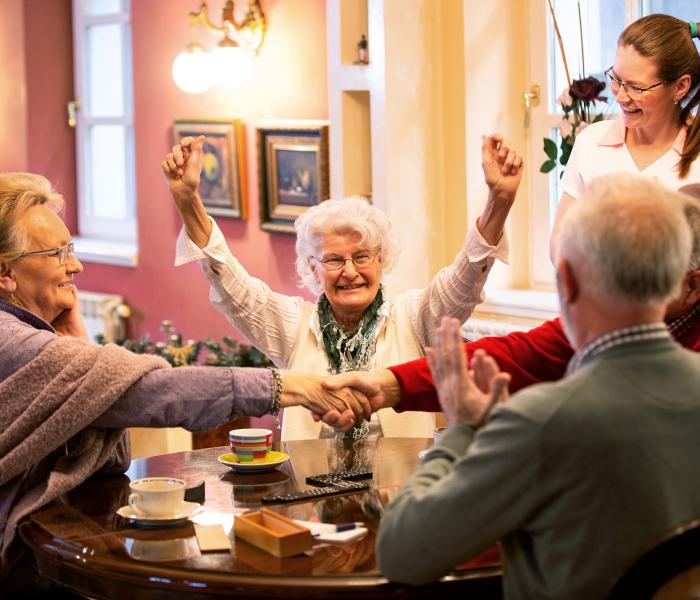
(349, 215)
(18, 193)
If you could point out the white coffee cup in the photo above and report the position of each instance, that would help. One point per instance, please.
(157, 496)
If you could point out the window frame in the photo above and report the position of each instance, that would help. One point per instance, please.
(543, 200)
(100, 239)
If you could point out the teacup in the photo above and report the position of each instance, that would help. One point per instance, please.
(157, 496)
(250, 445)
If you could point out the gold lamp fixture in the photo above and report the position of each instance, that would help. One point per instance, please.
(228, 64)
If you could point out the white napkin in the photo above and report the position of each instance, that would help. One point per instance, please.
(325, 532)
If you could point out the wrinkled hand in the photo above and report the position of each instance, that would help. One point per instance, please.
(183, 166)
(463, 400)
(349, 407)
(503, 166)
(70, 322)
(379, 387)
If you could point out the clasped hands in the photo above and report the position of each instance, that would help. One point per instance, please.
(466, 395)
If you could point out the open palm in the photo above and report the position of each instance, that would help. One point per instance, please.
(462, 399)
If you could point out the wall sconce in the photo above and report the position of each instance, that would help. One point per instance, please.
(229, 64)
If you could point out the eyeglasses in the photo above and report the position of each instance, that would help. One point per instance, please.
(633, 91)
(63, 252)
(360, 261)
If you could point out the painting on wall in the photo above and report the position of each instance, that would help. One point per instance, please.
(222, 184)
(292, 172)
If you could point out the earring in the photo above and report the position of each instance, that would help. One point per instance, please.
(13, 299)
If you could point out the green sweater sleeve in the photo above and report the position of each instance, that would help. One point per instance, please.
(471, 489)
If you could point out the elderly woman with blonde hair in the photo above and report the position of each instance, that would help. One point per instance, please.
(343, 247)
(65, 401)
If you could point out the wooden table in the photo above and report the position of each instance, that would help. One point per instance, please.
(83, 545)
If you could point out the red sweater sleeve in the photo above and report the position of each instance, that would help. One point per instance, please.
(540, 354)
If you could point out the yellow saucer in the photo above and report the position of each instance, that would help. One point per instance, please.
(272, 461)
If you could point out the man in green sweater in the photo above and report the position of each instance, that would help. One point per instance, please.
(575, 478)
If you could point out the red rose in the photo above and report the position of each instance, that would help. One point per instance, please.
(587, 89)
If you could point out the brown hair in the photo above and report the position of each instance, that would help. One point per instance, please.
(668, 42)
(18, 193)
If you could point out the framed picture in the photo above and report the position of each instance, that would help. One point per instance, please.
(292, 171)
(222, 185)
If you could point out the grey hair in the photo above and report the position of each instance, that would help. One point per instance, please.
(18, 193)
(349, 215)
(629, 237)
(691, 208)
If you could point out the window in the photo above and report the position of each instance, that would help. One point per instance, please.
(104, 131)
(602, 22)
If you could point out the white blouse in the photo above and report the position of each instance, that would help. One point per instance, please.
(286, 328)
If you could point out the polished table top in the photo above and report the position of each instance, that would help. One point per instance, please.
(84, 545)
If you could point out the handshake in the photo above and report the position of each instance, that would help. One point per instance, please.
(341, 401)
(466, 393)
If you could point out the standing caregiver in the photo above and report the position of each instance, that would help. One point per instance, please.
(655, 80)
(343, 249)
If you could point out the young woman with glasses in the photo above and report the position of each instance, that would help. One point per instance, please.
(343, 249)
(655, 82)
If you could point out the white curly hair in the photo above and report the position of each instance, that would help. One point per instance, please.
(348, 215)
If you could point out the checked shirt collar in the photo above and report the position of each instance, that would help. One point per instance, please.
(656, 331)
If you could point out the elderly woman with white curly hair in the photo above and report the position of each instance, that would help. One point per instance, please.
(343, 249)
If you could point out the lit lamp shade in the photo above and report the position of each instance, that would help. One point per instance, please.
(231, 66)
(192, 70)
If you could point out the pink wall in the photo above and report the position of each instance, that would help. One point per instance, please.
(48, 45)
(13, 88)
(289, 81)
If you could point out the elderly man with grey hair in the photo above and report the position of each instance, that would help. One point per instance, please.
(575, 478)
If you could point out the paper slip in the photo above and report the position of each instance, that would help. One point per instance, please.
(211, 537)
(325, 532)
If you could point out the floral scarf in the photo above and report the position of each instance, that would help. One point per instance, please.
(350, 351)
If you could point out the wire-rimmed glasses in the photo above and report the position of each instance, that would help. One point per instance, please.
(633, 91)
(335, 263)
(62, 252)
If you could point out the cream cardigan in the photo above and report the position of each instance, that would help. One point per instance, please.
(286, 328)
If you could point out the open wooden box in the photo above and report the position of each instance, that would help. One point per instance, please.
(273, 533)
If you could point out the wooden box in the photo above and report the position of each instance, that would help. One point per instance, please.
(273, 533)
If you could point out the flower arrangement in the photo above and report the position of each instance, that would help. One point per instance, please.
(179, 353)
(578, 105)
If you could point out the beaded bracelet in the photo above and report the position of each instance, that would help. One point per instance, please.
(276, 396)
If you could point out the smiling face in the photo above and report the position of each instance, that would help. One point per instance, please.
(656, 108)
(349, 290)
(43, 286)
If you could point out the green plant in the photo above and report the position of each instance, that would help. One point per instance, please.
(228, 353)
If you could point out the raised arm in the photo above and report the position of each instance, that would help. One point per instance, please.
(457, 289)
(182, 169)
(503, 170)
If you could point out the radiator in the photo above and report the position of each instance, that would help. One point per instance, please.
(104, 314)
(478, 326)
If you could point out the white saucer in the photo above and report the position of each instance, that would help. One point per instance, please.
(186, 510)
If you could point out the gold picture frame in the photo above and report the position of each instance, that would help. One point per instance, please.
(223, 183)
(292, 172)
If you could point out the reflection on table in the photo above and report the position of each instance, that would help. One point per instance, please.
(84, 545)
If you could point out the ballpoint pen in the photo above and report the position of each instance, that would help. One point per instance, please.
(335, 527)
